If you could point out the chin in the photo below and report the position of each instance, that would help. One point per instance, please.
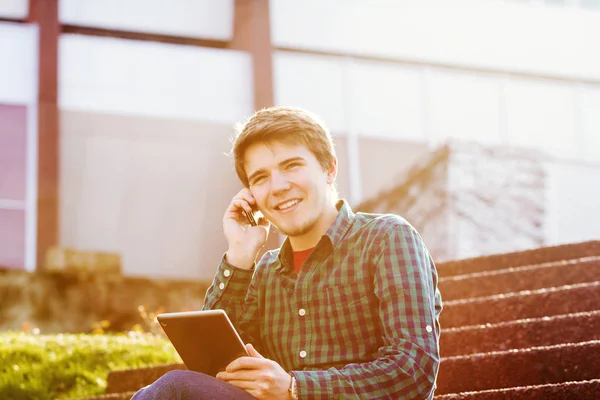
(297, 229)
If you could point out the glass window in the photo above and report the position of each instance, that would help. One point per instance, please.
(592, 4)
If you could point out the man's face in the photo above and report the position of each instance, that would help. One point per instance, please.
(289, 185)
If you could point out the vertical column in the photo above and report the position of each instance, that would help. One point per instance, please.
(252, 33)
(44, 13)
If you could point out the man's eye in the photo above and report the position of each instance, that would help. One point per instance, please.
(293, 165)
(257, 180)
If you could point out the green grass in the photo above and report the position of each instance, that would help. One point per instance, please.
(36, 367)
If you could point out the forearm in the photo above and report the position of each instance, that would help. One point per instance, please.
(234, 290)
(228, 290)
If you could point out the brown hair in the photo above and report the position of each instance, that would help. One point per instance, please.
(282, 124)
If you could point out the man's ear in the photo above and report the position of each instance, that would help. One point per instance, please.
(332, 171)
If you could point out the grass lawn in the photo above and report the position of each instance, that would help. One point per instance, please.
(64, 366)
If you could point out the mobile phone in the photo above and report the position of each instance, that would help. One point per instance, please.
(249, 217)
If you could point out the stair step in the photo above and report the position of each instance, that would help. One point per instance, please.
(520, 334)
(519, 258)
(532, 277)
(519, 305)
(128, 380)
(524, 367)
(584, 390)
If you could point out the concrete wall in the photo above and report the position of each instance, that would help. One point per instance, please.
(572, 201)
(144, 132)
(151, 189)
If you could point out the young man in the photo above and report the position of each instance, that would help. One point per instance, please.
(347, 308)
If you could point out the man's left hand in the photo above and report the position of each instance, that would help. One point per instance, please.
(259, 376)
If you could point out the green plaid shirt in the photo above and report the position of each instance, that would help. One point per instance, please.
(359, 321)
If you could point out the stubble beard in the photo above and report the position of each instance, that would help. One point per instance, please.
(300, 230)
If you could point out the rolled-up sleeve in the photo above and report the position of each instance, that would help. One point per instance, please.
(228, 289)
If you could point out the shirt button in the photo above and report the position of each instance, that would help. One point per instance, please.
(302, 312)
(302, 354)
(428, 328)
(221, 286)
(227, 273)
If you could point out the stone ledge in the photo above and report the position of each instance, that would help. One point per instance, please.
(134, 379)
(60, 301)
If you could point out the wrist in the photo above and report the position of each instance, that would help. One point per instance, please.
(293, 388)
(239, 259)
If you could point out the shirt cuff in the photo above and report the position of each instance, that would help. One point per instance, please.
(232, 279)
(314, 384)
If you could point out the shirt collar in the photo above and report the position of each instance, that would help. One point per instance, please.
(337, 231)
(334, 235)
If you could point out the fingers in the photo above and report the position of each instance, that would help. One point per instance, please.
(240, 375)
(261, 377)
(252, 351)
(240, 204)
(246, 195)
(243, 200)
(245, 363)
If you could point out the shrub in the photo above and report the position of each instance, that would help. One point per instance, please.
(62, 366)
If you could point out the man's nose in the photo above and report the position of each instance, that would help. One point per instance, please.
(279, 182)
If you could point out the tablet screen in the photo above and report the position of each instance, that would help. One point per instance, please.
(205, 340)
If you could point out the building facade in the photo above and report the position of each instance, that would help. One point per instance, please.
(147, 93)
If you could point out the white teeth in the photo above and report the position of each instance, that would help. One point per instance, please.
(288, 204)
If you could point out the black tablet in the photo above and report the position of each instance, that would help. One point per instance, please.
(205, 340)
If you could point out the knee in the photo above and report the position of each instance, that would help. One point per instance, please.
(176, 376)
(178, 382)
(171, 385)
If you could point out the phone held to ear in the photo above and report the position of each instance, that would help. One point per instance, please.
(249, 217)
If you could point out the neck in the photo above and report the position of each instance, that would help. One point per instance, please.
(312, 237)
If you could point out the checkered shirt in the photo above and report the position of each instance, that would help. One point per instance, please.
(360, 320)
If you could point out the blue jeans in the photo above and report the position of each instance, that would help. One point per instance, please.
(188, 385)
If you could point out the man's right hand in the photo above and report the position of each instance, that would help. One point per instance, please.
(244, 240)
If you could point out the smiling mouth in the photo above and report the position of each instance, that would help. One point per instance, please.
(288, 205)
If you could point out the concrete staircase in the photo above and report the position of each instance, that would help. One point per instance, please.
(520, 326)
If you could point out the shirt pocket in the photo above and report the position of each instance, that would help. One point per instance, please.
(353, 318)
